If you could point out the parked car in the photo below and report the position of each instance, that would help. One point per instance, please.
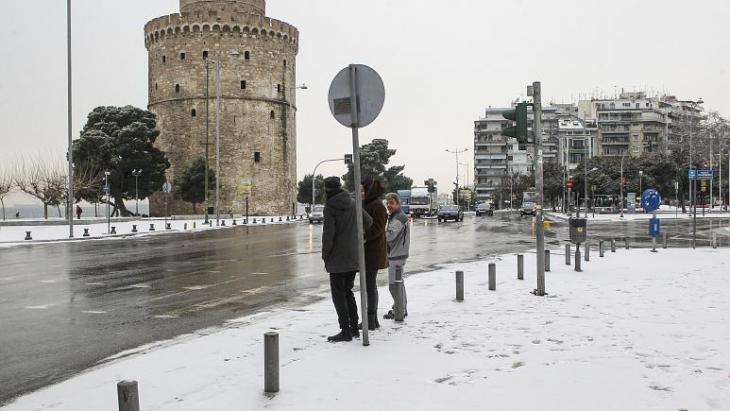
(317, 215)
(485, 209)
(450, 212)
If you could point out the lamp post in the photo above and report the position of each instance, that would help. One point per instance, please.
(585, 186)
(692, 187)
(457, 152)
(136, 174)
(314, 180)
(108, 200)
(70, 195)
(621, 202)
(641, 186)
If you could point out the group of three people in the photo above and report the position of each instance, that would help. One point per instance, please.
(387, 243)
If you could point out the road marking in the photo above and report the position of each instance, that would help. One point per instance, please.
(196, 287)
(140, 286)
(94, 312)
(165, 317)
(95, 284)
(260, 273)
(49, 281)
(37, 307)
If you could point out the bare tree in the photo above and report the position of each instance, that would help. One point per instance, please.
(6, 186)
(42, 179)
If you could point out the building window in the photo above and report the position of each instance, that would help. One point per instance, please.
(278, 88)
(182, 56)
(205, 54)
(193, 113)
(285, 63)
(243, 84)
(247, 55)
(164, 59)
(155, 86)
(272, 115)
(177, 88)
(257, 157)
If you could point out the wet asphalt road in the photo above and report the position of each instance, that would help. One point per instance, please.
(65, 307)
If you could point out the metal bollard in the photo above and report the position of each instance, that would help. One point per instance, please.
(114, 231)
(665, 240)
(577, 259)
(400, 310)
(520, 267)
(271, 362)
(628, 243)
(601, 252)
(272, 220)
(128, 396)
(567, 254)
(152, 227)
(547, 261)
(195, 225)
(714, 240)
(185, 227)
(288, 218)
(459, 286)
(27, 236)
(168, 226)
(86, 232)
(613, 245)
(223, 223)
(134, 229)
(235, 223)
(588, 252)
(492, 277)
(281, 220)
(245, 221)
(254, 221)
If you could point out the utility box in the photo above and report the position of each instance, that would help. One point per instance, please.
(578, 230)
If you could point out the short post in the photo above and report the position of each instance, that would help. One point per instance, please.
(168, 226)
(714, 240)
(601, 251)
(665, 236)
(492, 277)
(271, 362)
(400, 309)
(223, 223)
(613, 245)
(588, 251)
(128, 396)
(28, 236)
(272, 220)
(152, 227)
(577, 259)
(235, 223)
(547, 261)
(627, 240)
(114, 231)
(134, 229)
(288, 218)
(86, 232)
(254, 221)
(281, 220)
(520, 267)
(185, 227)
(653, 245)
(459, 286)
(195, 225)
(567, 254)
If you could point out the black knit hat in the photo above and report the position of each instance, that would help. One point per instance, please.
(332, 184)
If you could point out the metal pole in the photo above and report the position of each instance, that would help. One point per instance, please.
(520, 267)
(136, 194)
(621, 183)
(354, 113)
(577, 258)
(547, 261)
(492, 277)
(271, 362)
(108, 200)
(588, 251)
(128, 396)
(218, 139)
(694, 216)
(207, 135)
(585, 180)
(567, 254)
(540, 229)
(70, 194)
(601, 252)
(459, 286)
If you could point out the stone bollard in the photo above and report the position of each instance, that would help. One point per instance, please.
(613, 245)
(254, 221)
(714, 240)
(577, 259)
(547, 261)
(567, 254)
(281, 220)
(588, 252)
(152, 227)
(459, 286)
(128, 396)
(185, 227)
(134, 229)
(665, 240)
(288, 218)
(271, 362)
(399, 310)
(520, 267)
(492, 277)
(195, 225)
(245, 221)
(28, 236)
(235, 223)
(628, 243)
(114, 231)
(272, 220)
(601, 252)
(168, 226)
(86, 232)
(223, 223)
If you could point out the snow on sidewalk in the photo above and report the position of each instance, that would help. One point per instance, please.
(635, 331)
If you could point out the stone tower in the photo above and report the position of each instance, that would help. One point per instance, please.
(257, 55)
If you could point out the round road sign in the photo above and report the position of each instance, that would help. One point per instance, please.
(651, 200)
(369, 93)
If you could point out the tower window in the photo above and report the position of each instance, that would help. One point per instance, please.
(164, 59)
(273, 115)
(182, 56)
(155, 86)
(193, 113)
(177, 88)
(278, 88)
(284, 63)
(243, 84)
(205, 54)
(257, 157)
(247, 55)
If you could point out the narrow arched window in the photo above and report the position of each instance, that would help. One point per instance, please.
(164, 59)
(273, 115)
(177, 88)
(205, 55)
(247, 55)
(243, 84)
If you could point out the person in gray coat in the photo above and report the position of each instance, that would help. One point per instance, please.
(340, 254)
(398, 236)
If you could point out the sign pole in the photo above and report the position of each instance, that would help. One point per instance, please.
(354, 112)
(540, 229)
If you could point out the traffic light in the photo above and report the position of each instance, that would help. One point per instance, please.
(431, 184)
(348, 159)
(519, 116)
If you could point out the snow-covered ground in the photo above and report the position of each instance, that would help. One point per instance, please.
(664, 213)
(635, 331)
(15, 235)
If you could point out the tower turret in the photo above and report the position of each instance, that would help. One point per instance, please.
(255, 7)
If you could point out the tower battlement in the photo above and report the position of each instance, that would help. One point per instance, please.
(257, 7)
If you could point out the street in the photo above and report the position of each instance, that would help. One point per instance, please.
(65, 307)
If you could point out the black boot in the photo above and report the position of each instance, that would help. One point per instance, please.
(343, 336)
(355, 332)
(389, 315)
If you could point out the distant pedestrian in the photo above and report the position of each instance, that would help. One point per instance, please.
(398, 236)
(376, 251)
(78, 212)
(17, 215)
(340, 244)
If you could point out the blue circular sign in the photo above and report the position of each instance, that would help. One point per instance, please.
(651, 200)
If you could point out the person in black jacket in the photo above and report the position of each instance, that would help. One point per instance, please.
(340, 254)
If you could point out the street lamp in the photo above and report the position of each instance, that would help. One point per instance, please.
(136, 174)
(621, 202)
(108, 200)
(70, 195)
(585, 191)
(314, 179)
(692, 187)
(641, 185)
(457, 152)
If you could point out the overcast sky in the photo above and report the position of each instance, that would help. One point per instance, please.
(443, 62)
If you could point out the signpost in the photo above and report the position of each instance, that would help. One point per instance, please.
(650, 202)
(167, 189)
(695, 174)
(356, 97)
